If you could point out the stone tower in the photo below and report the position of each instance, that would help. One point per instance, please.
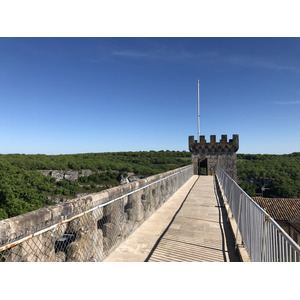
(206, 156)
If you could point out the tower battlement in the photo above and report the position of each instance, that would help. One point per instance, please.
(207, 155)
(222, 146)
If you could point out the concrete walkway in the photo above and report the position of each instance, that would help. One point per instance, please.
(188, 227)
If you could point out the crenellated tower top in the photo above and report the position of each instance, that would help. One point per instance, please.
(207, 155)
(224, 146)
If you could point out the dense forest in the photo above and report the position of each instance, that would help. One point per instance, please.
(24, 188)
(278, 174)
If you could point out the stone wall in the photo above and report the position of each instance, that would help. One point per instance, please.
(84, 229)
(222, 153)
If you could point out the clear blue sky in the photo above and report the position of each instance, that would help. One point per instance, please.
(79, 95)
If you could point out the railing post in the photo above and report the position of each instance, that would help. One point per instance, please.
(263, 250)
(230, 197)
(238, 220)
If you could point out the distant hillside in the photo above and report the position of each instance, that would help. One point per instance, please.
(29, 182)
(279, 174)
(24, 188)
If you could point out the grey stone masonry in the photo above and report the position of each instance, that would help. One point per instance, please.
(90, 227)
(210, 154)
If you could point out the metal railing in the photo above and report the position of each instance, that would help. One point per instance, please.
(264, 239)
(92, 234)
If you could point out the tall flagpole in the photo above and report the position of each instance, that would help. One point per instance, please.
(198, 112)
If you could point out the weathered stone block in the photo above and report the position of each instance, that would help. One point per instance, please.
(80, 249)
(111, 231)
(137, 211)
(114, 211)
(60, 256)
(81, 223)
(97, 214)
(96, 245)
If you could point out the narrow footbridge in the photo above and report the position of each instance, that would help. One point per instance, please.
(197, 225)
(190, 226)
(170, 217)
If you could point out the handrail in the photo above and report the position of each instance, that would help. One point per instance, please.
(14, 243)
(263, 238)
(95, 231)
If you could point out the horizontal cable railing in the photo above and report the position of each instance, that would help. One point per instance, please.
(94, 232)
(264, 239)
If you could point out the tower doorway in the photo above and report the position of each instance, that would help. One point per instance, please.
(202, 167)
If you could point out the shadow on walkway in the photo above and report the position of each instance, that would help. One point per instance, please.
(178, 243)
(167, 228)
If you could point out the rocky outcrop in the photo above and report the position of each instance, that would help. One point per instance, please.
(74, 175)
(69, 175)
(123, 179)
(60, 175)
(126, 178)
